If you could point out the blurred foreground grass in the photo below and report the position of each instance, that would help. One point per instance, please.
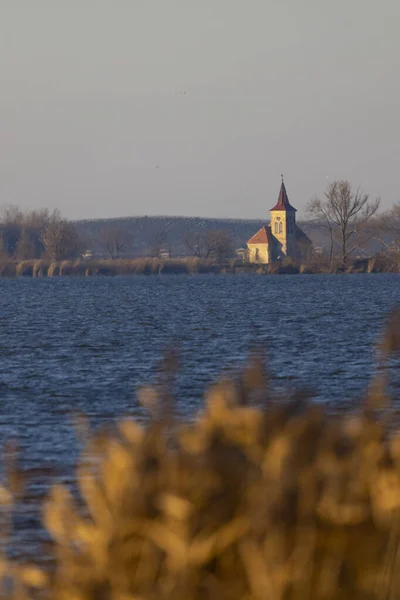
(258, 498)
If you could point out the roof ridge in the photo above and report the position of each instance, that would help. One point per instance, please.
(262, 236)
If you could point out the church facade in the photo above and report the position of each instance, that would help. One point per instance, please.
(281, 239)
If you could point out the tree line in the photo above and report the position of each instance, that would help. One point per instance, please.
(350, 217)
(27, 234)
(35, 234)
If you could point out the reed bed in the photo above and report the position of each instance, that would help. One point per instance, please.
(189, 265)
(186, 266)
(8, 268)
(259, 498)
(112, 267)
(24, 268)
(40, 268)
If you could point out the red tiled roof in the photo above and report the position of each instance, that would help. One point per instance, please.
(263, 236)
(283, 200)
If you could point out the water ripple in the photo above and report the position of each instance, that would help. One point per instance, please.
(86, 344)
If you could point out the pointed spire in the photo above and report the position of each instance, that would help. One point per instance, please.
(283, 200)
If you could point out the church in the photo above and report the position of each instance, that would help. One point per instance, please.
(282, 238)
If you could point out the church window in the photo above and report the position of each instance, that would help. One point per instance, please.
(280, 228)
(276, 227)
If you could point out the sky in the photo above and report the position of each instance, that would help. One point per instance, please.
(195, 107)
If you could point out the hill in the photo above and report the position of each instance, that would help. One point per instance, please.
(141, 234)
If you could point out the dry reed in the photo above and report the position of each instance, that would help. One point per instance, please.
(53, 270)
(24, 268)
(389, 263)
(40, 268)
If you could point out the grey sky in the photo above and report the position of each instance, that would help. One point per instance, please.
(93, 121)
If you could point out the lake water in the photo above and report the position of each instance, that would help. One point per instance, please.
(86, 344)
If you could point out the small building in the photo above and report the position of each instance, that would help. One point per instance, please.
(164, 252)
(281, 238)
(241, 254)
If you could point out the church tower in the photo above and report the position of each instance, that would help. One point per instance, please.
(281, 238)
(283, 224)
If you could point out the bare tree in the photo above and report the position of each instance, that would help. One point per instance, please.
(194, 242)
(59, 238)
(26, 245)
(392, 225)
(317, 208)
(114, 240)
(29, 234)
(345, 214)
(21, 231)
(157, 243)
(10, 213)
(12, 223)
(386, 228)
(220, 245)
(216, 244)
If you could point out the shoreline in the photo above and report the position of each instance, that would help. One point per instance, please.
(180, 266)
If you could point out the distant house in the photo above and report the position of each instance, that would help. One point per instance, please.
(164, 252)
(241, 253)
(88, 254)
(281, 238)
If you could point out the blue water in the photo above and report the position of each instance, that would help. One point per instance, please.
(86, 344)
